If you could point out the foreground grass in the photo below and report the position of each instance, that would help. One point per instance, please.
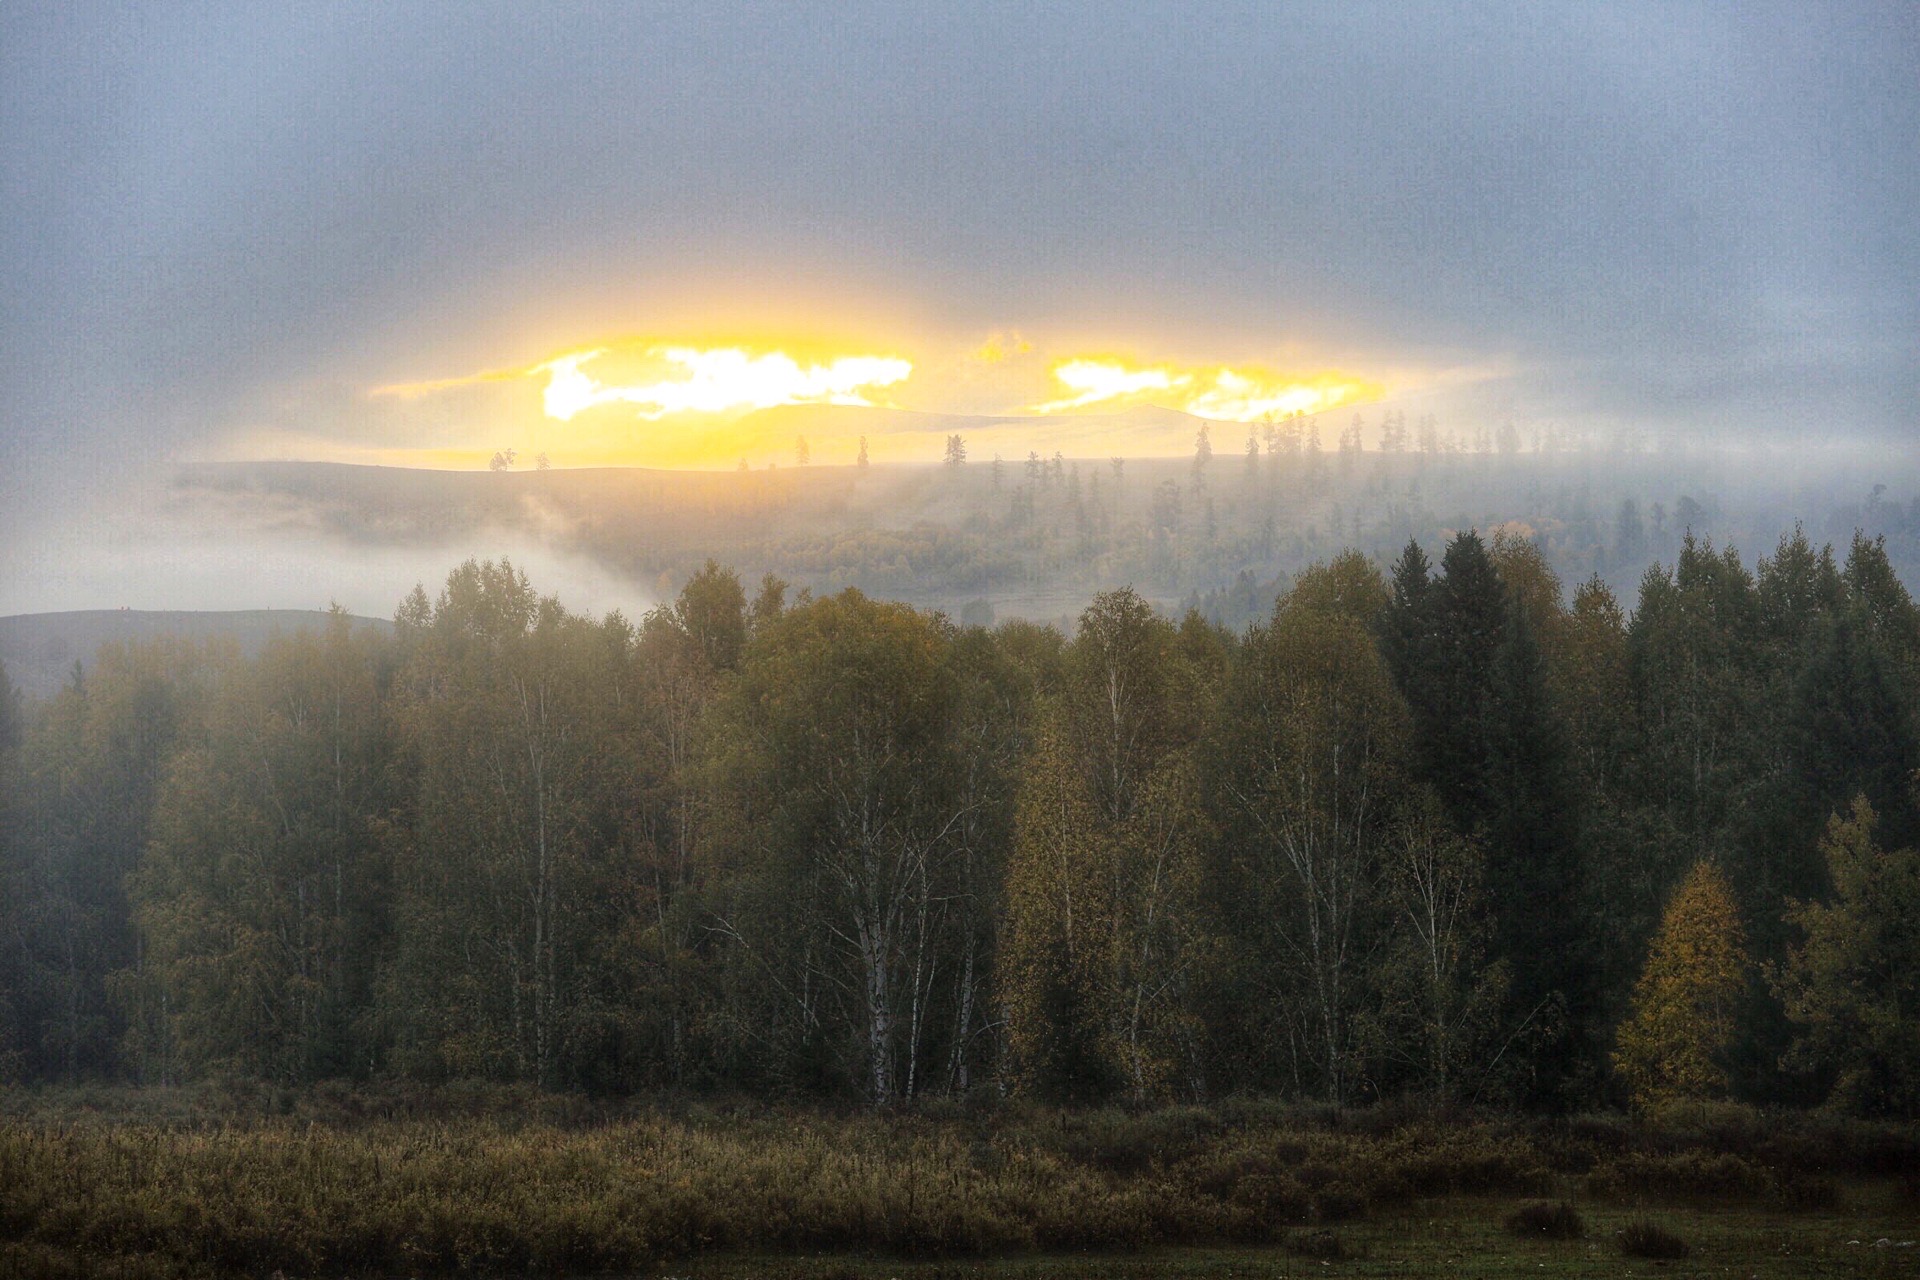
(1454, 1238)
(176, 1185)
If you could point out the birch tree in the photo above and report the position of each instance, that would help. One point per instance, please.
(1444, 996)
(261, 898)
(683, 652)
(1055, 985)
(1303, 768)
(1100, 894)
(836, 744)
(506, 868)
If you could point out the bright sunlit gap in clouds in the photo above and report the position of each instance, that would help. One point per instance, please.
(719, 381)
(1222, 394)
(665, 378)
(679, 401)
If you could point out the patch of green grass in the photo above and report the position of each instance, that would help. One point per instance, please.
(1459, 1237)
(1546, 1219)
(1644, 1238)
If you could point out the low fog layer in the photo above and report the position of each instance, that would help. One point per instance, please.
(175, 547)
(983, 539)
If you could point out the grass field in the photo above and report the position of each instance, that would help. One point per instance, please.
(337, 1183)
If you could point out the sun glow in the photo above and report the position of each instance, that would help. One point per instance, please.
(717, 381)
(1221, 393)
(707, 398)
(1100, 381)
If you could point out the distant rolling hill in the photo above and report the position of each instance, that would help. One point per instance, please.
(39, 649)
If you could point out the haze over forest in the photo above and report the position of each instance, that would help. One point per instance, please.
(983, 536)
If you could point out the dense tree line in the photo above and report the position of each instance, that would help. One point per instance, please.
(1434, 831)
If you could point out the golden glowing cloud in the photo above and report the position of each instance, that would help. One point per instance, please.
(685, 379)
(712, 397)
(1102, 381)
(718, 381)
(1220, 393)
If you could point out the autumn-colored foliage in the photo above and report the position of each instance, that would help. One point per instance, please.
(1403, 842)
(1683, 1005)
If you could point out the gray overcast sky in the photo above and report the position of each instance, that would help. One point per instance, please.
(1693, 218)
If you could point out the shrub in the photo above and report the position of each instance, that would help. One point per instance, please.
(1315, 1174)
(1725, 1126)
(1610, 1134)
(1554, 1220)
(1796, 1190)
(1643, 1239)
(1259, 1195)
(1119, 1142)
(1442, 1162)
(1687, 1173)
(1339, 1201)
(1274, 1197)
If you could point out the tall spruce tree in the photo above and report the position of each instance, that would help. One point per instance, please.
(1405, 628)
(1490, 743)
(1469, 618)
(1693, 655)
(1534, 869)
(1852, 982)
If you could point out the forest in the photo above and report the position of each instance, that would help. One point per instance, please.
(1436, 830)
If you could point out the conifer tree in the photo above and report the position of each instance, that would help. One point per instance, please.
(1692, 657)
(1469, 615)
(1673, 1044)
(1405, 629)
(1852, 986)
(1895, 621)
(1534, 867)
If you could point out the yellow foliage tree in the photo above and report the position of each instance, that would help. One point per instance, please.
(1054, 986)
(1683, 1006)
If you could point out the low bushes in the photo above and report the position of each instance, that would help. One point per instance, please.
(1686, 1174)
(483, 1181)
(1799, 1191)
(1129, 1142)
(1472, 1160)
(1702, 1175)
